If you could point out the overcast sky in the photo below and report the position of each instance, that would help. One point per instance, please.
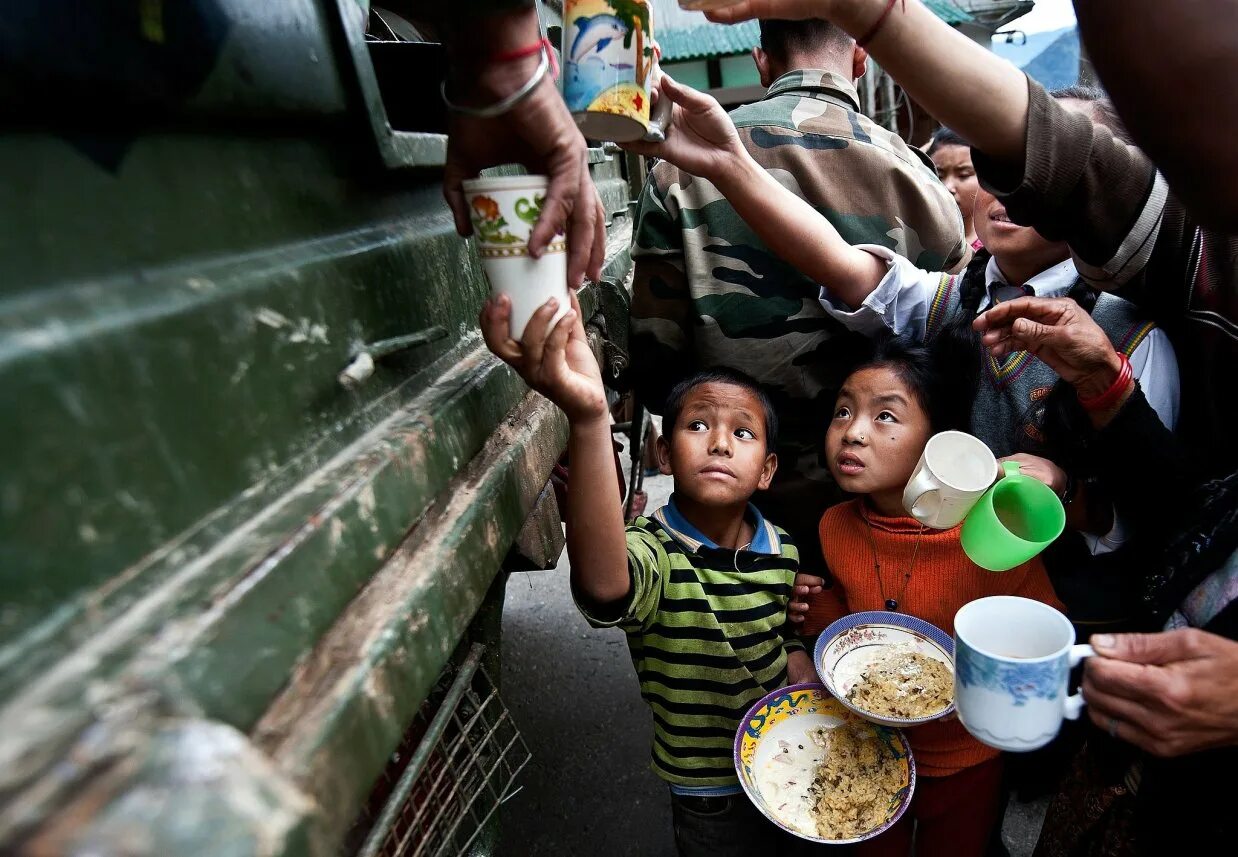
(1048, 15)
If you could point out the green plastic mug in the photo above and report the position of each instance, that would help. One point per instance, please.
(1014, 521)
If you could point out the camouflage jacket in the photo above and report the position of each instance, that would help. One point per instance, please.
(707, 292)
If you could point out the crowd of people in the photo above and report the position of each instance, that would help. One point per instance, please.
(812, 303)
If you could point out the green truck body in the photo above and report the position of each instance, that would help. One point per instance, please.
(231, 578)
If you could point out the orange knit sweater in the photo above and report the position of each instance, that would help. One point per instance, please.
(942, 580)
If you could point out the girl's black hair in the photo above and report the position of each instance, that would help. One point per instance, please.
(945, 137)
(719, 375)
(928, 375)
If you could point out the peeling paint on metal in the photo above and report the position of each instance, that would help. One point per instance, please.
(271, 318)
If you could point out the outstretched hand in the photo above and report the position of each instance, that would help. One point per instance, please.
(700, 139)
(556, 361)
(788, 10)
(1059, 332)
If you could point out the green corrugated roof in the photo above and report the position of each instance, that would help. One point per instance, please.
(708, 40)
(948, 12)
(720, 40)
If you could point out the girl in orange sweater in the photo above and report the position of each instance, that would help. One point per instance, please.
(882, 559)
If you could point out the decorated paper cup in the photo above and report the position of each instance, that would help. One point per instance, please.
(503, 211)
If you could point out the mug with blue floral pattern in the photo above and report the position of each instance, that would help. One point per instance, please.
(1012, 663)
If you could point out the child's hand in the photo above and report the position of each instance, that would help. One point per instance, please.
(805, 586)
(557, 362)
(1040, 468)
(800, 669)
(700, 139)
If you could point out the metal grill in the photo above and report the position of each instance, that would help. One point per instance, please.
(462, 767)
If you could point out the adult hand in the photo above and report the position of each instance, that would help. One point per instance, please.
(787, 10)
(1060, 333)
(1170, 694)
(1040, 468)
(556, 361)
(806, 585)
(538, 133)
(701, 138)
(800, 668)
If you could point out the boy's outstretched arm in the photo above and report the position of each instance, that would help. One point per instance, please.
(701, 140)
(558, 363)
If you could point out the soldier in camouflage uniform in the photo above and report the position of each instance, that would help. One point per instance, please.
(707, 292)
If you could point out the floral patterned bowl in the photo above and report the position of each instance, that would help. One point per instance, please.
(849, 645)
(780, 723)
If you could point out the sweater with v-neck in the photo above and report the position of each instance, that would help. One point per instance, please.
(943, 579)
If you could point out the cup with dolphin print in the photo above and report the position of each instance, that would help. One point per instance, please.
(610, 69)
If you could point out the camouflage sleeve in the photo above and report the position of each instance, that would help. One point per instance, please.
(661, 314)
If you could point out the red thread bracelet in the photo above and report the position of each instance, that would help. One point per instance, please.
(1109, 398)
(872, 32)
(542, 44)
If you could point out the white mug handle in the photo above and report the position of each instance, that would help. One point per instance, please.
(1073, 705)
(660, 117)
(921, 485)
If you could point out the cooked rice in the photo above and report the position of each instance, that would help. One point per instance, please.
(855, 784)
(904, 684)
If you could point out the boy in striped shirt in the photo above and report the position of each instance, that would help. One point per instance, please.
(700, 587)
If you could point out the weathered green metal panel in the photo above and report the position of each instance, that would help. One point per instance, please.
(211, 551)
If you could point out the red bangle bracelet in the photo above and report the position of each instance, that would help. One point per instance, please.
(1119, 386)
(530, 50)
(872, 31)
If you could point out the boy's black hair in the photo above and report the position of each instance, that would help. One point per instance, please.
(719, 375)
(932, 377)
(945, 137)
(781, 38)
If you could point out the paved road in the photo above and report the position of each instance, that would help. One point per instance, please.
(572, 691)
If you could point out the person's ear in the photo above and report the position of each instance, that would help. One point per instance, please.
(663, 448)
(859, 63)
(761, 58)
(768, 471)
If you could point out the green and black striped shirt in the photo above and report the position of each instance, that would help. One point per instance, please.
(705, 628)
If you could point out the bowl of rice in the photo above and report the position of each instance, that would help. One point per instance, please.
(887, 667)
(819, 771)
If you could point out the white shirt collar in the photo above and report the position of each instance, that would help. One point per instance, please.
(1050, 283)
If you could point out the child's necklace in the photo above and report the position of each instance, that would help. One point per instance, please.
(891, 604)
(737, 550)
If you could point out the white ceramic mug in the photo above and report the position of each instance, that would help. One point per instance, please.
(503, 211)
(1012, 662)
(955, 470)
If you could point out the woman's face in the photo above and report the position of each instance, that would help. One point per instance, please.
(876, 435)
(958, 175)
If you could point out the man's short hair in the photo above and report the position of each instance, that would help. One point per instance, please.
(780, 39)
(1103, 111)
(719, 375)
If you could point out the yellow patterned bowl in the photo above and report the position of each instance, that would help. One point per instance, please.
(781, 722)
